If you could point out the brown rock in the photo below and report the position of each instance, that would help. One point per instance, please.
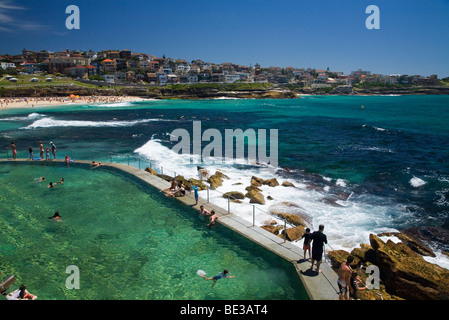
(414, 244)
(293, 234)
(215, 181)
(271, 228)
(257, 182)
(221, 175)
(293, 213)
(151, 171)
(255, 197)
(234, 195)
(406, 274)
(271, 182)
(287, 184)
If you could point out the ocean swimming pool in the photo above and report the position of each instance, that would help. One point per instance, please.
(128, 241)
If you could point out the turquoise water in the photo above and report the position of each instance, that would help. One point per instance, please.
(128, 241)
(384, 167)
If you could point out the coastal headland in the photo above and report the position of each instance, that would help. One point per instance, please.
(209, 91)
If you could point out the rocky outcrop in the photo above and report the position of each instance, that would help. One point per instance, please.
(404, 273)
(414, 244)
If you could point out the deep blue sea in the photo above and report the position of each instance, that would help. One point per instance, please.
(359, 164)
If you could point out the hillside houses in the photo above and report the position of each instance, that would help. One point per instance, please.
(125, 66)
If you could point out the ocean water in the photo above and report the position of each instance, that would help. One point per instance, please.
(360, 165)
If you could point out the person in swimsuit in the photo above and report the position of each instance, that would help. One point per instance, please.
(14, 150)
(306, 245)
(56, 216)
(41, 149)
(173, 186)
(24, 294)
(223, 274)
(344, 275)
(354, 286)
(212, 219)
(180, 192)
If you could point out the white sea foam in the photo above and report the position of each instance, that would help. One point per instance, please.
(417, 182)
(114, 105)
(348, 223)
(50, 122)
(31, 116)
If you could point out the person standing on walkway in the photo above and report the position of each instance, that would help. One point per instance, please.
(14, 150)
(53, 149)
(41, 149)
(30, 150)
(318, 241)
(344, 276)
(195, 190)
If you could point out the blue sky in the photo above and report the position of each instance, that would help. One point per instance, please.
(413, 37)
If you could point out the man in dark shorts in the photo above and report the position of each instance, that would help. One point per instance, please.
(318, 241)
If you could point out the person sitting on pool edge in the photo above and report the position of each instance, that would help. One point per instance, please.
(223, 274)
(180, 192)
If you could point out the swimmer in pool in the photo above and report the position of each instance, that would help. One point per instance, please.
(223, 274)
(56, 216)
(212, 219)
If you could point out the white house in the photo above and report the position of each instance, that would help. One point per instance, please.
(167, 69)
(6, 65)
(183, 68)
(229, 78)
(193, 78)
(109, 78)
(162, 77)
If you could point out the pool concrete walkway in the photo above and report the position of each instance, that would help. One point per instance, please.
(319, 285)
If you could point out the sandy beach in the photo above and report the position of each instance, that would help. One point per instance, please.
(9, 103)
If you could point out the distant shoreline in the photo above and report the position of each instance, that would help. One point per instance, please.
(60, 95)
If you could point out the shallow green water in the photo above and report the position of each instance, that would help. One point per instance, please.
(126, 238)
